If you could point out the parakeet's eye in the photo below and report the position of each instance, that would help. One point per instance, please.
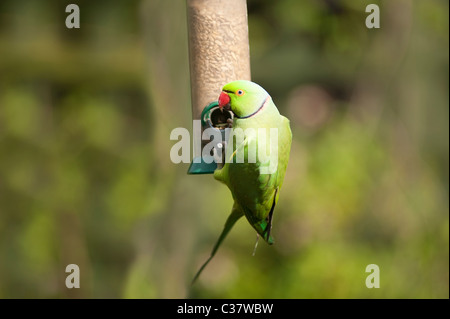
(240, 92)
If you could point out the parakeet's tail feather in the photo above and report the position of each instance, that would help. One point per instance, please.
(236, 213)
(269, 238)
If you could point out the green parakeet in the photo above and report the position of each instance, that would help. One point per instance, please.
(254, 182)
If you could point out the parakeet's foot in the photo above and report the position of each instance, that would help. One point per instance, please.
(230, 122)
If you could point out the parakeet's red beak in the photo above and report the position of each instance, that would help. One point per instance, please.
(224, 100)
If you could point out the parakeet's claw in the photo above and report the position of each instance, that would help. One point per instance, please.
(230, 122)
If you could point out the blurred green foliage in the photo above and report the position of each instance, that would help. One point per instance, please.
(86, 178)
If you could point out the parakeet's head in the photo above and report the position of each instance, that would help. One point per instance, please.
(243, 98)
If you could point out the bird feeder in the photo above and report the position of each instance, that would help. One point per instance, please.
(218, 54)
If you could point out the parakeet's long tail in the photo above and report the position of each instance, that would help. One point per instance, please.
(236, 213)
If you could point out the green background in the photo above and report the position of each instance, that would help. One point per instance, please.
(86, 177)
